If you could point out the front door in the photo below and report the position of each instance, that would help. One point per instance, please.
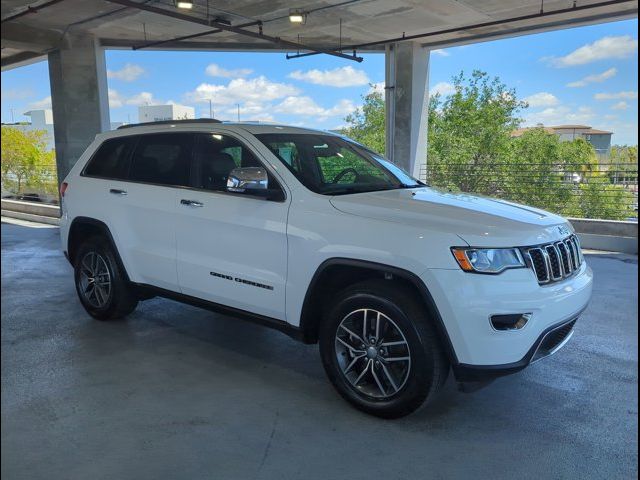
(231, 247)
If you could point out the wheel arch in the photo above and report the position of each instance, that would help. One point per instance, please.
(336, 273)
(85, 227)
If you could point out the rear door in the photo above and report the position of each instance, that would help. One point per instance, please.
(231, 248)
(159, 169)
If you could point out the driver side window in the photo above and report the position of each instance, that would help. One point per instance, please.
(215, 156)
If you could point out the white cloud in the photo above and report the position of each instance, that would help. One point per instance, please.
(443, 88)
(542, 99)
(561, 115)
(115, 99)
(342, 108)
(620, 106)
(306, 106)
(629, 95)
(214, 70)
(595, 78)
(338, 77)
(41, 104)
(607, 47)
(441, 52)
(128, 73)
(142, 98)
(240, 90)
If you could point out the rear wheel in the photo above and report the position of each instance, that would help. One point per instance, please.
(101, 283)
(380, 350)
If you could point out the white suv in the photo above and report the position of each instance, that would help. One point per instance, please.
(325, 240)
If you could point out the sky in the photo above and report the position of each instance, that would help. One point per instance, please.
(585, 75)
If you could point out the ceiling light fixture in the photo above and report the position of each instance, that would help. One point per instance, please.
(297, 16)
(186, 4)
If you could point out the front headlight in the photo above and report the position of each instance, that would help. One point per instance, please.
(488, 260)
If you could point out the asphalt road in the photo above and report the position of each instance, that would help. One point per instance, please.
(176, 392)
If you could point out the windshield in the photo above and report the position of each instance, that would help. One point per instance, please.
(332, 165)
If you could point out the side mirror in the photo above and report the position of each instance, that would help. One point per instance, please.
(248, 180)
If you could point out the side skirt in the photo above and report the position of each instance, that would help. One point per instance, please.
(149, 291)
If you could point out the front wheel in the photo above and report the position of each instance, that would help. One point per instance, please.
(380, 350)
(101, 284)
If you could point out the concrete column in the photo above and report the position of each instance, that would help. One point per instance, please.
(79, 97)
(406, 100)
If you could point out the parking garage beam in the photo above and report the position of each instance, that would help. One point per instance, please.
(79, 97)
(406, 95)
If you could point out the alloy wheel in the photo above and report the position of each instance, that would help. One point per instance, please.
(373, 353)
(95, 279)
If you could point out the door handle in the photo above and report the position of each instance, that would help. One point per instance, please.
(117, 191)
(191, 203)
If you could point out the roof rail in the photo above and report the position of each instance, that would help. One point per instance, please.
(170, 122)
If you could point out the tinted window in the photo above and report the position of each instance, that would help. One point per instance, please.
(215, 156)
(111, 160)
(162, 159)
(335, 166)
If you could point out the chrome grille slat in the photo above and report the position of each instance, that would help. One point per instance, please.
(555, 261)
(539, 264)
(567, 268)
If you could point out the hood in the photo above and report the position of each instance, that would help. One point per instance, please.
(479, 221)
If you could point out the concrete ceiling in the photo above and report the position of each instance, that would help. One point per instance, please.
(28, 37)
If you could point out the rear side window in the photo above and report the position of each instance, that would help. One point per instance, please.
(111, 160)
(162, 159)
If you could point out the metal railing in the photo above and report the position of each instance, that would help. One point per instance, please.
(609, 191)
(606, 191)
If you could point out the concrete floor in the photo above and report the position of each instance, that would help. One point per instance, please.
(176, 392)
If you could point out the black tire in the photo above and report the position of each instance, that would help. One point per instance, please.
(428, 366)
(120, 299)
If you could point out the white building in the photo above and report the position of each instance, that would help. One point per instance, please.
(156, 113)
(43, 120)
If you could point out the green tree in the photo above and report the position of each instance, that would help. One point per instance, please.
(542, 171)
(25, 162)
(367, 124)
(598, 198)
(623, 164)
(469, 133)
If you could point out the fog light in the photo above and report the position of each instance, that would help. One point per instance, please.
(515, 321)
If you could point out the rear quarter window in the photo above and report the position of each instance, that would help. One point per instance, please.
(111, 159)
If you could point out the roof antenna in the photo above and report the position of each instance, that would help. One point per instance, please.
(541, 7)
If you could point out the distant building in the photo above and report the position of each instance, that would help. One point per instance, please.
(600, 139)
(156, 113)
(43, 120)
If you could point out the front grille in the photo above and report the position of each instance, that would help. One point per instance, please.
(553, 262)
(552, 339)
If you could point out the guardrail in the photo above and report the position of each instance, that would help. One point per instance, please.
(31, 211)
(605, 191)
(610, 235)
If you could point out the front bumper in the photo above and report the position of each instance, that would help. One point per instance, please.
(548, 343)
(467, 301)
